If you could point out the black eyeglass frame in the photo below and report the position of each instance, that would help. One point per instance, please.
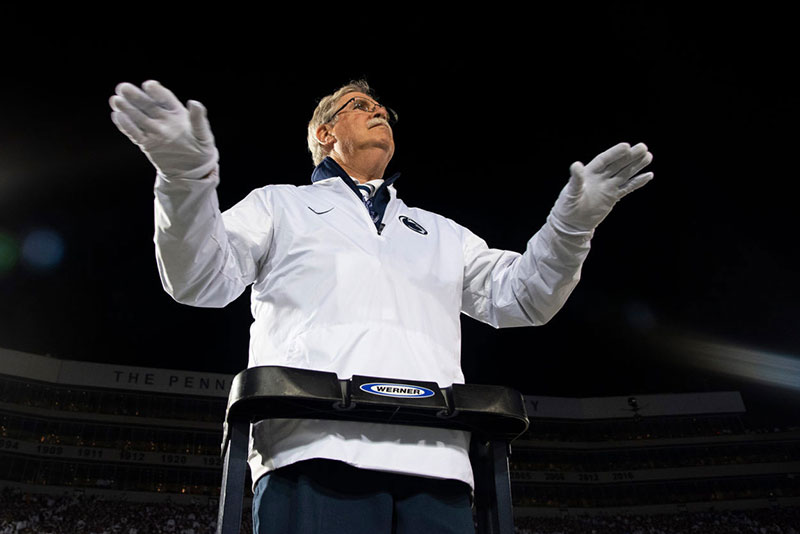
(392, 114)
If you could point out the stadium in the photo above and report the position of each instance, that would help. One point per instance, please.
(662, 398)
(88, 447)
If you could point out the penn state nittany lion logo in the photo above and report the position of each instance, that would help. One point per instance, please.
(413, 225)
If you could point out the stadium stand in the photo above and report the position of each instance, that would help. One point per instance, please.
(103, 448)
(651, 454)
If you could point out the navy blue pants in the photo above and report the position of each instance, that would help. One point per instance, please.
(325, 496)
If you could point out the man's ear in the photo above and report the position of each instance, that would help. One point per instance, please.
(325, 135)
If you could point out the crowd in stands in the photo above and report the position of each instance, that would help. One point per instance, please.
(639, 429)
(757, 521)
(635, 459)
(75, 513)
(78, 433)
(767, 488)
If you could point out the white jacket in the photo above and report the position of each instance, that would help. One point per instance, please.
(331, 293)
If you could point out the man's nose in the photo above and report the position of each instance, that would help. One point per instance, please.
(380, 111)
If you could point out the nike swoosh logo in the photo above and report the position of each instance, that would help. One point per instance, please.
(319, 212)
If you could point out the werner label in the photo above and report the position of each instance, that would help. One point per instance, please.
(397, 390)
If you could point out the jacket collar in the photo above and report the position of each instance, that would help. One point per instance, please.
(328, 168)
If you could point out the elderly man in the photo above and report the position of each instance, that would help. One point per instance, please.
(347, 278)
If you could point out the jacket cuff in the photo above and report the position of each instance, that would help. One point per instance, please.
(567, 230)
(164, 183)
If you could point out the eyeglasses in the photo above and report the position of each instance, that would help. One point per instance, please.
(363, 104)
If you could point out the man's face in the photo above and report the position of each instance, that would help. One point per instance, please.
(356, 129)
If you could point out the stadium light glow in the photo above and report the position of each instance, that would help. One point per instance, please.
(43, 249)
(758, 365)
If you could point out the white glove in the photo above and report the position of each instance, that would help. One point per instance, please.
(594, 189)
(176, 140)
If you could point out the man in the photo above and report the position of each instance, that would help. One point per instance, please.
(347, 278)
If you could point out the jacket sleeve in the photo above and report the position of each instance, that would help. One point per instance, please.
(505, 289)
(206, 258)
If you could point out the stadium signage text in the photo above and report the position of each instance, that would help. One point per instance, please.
(170, 381)
(603, 477)
(104, 454)
(397, 390)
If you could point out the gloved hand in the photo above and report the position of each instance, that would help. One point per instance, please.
(594, 189)
(177, 141)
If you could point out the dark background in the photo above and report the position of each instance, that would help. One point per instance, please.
(495, 104)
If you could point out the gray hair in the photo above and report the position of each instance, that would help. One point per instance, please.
(323, 112)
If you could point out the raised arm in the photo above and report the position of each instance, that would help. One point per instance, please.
(506, 289)
(204, 258)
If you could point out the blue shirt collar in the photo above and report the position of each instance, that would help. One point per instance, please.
(328, 168)
(377, 204)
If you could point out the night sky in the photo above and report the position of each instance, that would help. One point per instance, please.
(494, 107)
